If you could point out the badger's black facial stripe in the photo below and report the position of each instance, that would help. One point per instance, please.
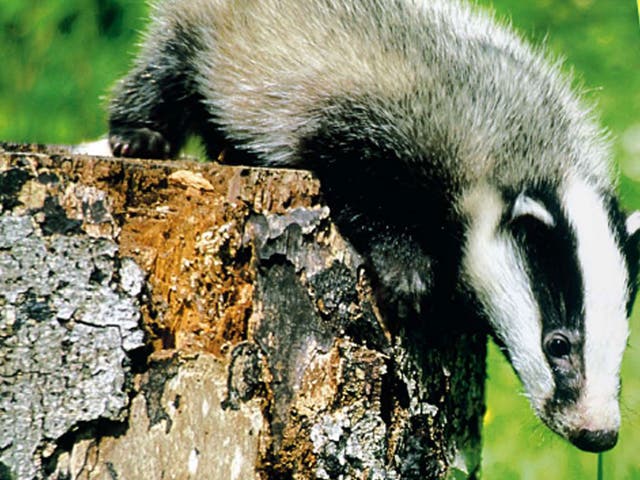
(549, 250)
(552, 263)
(563, 350)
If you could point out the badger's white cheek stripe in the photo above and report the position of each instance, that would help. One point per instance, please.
(494, 267)
(605, 285)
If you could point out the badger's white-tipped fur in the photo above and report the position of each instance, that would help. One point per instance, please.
(454, 157)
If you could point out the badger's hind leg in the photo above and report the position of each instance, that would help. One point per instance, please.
(156, 106)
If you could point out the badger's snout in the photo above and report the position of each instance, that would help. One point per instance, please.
(594, 440)
(591, 424)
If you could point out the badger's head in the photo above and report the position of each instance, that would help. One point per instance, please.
(554, 271)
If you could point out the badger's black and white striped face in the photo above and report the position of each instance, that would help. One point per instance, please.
(555, 275)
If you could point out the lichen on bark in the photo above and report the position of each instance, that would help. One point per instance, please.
(69, 325)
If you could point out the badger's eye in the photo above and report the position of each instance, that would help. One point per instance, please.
(557, 345)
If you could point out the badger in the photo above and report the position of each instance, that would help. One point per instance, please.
(456, 159)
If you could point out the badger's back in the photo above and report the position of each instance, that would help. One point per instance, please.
(442, 83)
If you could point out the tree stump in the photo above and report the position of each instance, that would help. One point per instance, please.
(192, 320)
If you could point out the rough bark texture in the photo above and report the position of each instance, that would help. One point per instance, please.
(187, 320)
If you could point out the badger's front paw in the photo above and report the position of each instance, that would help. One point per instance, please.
(403, 273)
(139, 143)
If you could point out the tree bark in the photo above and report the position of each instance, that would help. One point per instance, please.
(190, 320)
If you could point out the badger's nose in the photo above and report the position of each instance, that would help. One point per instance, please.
(595, 440)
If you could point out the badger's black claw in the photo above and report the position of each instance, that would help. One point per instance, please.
(139, 143)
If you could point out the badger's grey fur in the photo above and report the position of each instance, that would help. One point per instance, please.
(453, 156)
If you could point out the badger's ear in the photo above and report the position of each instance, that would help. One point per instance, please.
(633, 240)
(526, 206)
(632, 249)
(633, 224)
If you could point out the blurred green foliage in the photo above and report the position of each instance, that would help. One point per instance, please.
(60, 58)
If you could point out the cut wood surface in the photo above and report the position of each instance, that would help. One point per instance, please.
(193, 320)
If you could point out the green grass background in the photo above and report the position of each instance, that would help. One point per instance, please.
(59, 59)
